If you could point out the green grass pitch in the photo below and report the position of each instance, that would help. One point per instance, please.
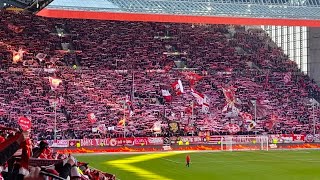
(245, 165)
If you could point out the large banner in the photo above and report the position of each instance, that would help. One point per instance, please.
(122, 141)
(58, 143)
(190, 139)
(158, 141)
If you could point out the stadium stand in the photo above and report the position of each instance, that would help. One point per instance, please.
(101, 62)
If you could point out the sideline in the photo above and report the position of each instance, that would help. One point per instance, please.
(192, 151)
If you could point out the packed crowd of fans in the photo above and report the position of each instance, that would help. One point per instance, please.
(104, 61)
(41, 162)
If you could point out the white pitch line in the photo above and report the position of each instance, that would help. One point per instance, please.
(254, 160)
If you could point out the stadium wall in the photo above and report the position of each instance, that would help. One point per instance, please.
(314, 54)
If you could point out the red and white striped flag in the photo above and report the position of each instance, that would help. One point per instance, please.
(54, 83)
(178, 87)
(166, 95)
(202, 100)
(199, 97)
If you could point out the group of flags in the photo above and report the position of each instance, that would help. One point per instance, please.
(201, 99)
(177, 86)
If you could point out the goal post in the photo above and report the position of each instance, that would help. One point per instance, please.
(238, 143)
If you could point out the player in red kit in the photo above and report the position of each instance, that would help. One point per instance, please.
(188, 160)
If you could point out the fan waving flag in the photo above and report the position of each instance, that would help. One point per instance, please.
(199, 97)
(192, 77)
(178, 87)
(205, 104)
(130, 106)
(102, 128)
(166, 95)
(54, 83)
(92, 118)
(17, 56)
(229, 94)
(202, 100)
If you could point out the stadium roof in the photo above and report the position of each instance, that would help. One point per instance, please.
(288, 9)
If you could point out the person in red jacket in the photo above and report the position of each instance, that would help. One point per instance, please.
(188, 160)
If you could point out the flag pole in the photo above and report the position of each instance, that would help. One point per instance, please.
(192, 115)
(255, 110)
(55, 119)
(314, 120)
(132, 93)
(124, 119)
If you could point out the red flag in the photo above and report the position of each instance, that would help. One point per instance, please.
(92, 118)
(54, 83)
(192, 77)
(245, 116)
(166, 95)
(24, 123)
(177, 87)
(188, 110)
